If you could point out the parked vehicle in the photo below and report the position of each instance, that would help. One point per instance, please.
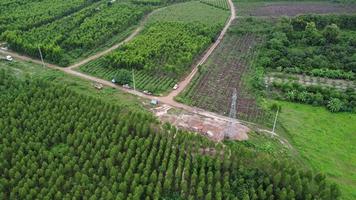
(9, 58)
(126, 86)
(175, 87)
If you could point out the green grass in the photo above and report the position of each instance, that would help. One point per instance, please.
(324, 140)
(191, 12)
(25, 70)
(260, 142)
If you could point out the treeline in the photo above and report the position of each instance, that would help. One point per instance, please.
(79, 32)
(333, 99)
(164, 47)
(316, 45)
(321, 21)
(57, 144)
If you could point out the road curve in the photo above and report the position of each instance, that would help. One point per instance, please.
(169, 99)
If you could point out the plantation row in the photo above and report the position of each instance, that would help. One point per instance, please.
(187, 94)
(24, 15)
(223, 4)
(333, 99)
(57, 144)
(156, 2)
(314, 45)
(79, 32)
(167, 48)
(144, 81)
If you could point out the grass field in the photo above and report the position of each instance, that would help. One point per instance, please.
(191, 12)
(326, 141)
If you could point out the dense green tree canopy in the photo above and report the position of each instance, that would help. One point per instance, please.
(57, 144)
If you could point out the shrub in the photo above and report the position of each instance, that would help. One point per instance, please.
(123, 77)
(331, 33)
(334, 105)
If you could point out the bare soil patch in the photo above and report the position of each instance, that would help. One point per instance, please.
(297, 8)
(213, 128)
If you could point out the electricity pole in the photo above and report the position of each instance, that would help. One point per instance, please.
(133, 79)
(275, 121)
(39, 49)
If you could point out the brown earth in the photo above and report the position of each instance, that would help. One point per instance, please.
(222, 78)
(296, 8)
(214, 128)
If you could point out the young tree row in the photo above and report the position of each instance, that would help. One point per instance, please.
(167, 47)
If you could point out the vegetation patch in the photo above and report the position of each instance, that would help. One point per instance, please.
(167, 48)
(223, 4)
(116, 153)
(24, 15)
(75, 34)
(191, 12)
(144, 81)
(313, 45)
(325, 140)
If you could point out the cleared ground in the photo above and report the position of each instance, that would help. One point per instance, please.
(221, 83)
(283, 8)
(218, 79)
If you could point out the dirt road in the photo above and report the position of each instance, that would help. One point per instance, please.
(186, 81)
(169, 99)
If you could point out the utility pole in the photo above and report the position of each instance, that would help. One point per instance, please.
(133, 79)
(39, 49)
(275, 121)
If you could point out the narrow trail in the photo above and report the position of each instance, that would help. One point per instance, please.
(169, 99)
